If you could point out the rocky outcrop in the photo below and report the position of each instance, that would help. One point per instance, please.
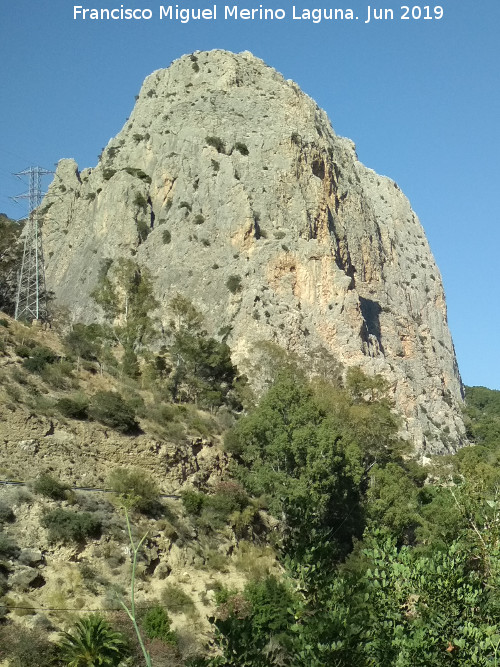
(231, 186)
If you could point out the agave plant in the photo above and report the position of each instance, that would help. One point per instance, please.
(92, 643)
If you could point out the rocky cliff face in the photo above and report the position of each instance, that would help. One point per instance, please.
(231, 186)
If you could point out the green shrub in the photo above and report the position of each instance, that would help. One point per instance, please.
(140, 201)
(139, 174)
(216, 143)
(228, 498)
(23, 351)
(39, 358)
(49, 487)
(166, 236)
(193, 501)
(130, 363)
(73, 408)
(233, 283)
(199, 219)
(84, 341)
(242, 148)
(57, 375)
(8, 548)
(108, 173)
(111, 410)
(156, 624)
(215, 166)
(6, 513)
(143, 230)
(186, 205)
(4, 322)
(214, 560)
(67, 526)
(141, 491)
(176, 600)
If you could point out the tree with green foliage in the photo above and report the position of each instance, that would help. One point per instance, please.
(112, 410)
(88, 341)
(289, 451)
(254, 628)
(125, 293)
(425, 610)
(130, 363)
(483, 416)
(92, 643)
(202, 366)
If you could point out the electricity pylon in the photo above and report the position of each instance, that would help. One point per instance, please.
(31, 300)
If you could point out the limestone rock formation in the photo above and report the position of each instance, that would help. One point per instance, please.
(231, 186)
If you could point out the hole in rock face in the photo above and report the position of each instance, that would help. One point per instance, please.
(37, 582)
(370, 310)
(318, 168)
(153, 564)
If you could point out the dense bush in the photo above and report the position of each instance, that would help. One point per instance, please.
(111, 410)
(6, 513)
(143, 229)
(139, 490)
(193, 501)
(204, 372)
(176, 600)
(247, 623)
(85, 341)
(228, 504)
(130, 363)
(8, 548)
(47, 486)
(67, 526)
(156, 624)
(292, 452)
(233, 283)
(38, 359)
(483, 412)
(140, 201)
(74, 408)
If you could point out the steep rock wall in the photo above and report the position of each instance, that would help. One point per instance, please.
(246, 174)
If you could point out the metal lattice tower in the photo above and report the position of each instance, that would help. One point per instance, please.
(31, 300)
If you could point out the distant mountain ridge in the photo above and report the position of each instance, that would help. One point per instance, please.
(229, 184)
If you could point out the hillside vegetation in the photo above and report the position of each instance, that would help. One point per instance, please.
(10, 254)
(297, 529)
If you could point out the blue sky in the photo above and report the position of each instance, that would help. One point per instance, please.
(420, 98)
